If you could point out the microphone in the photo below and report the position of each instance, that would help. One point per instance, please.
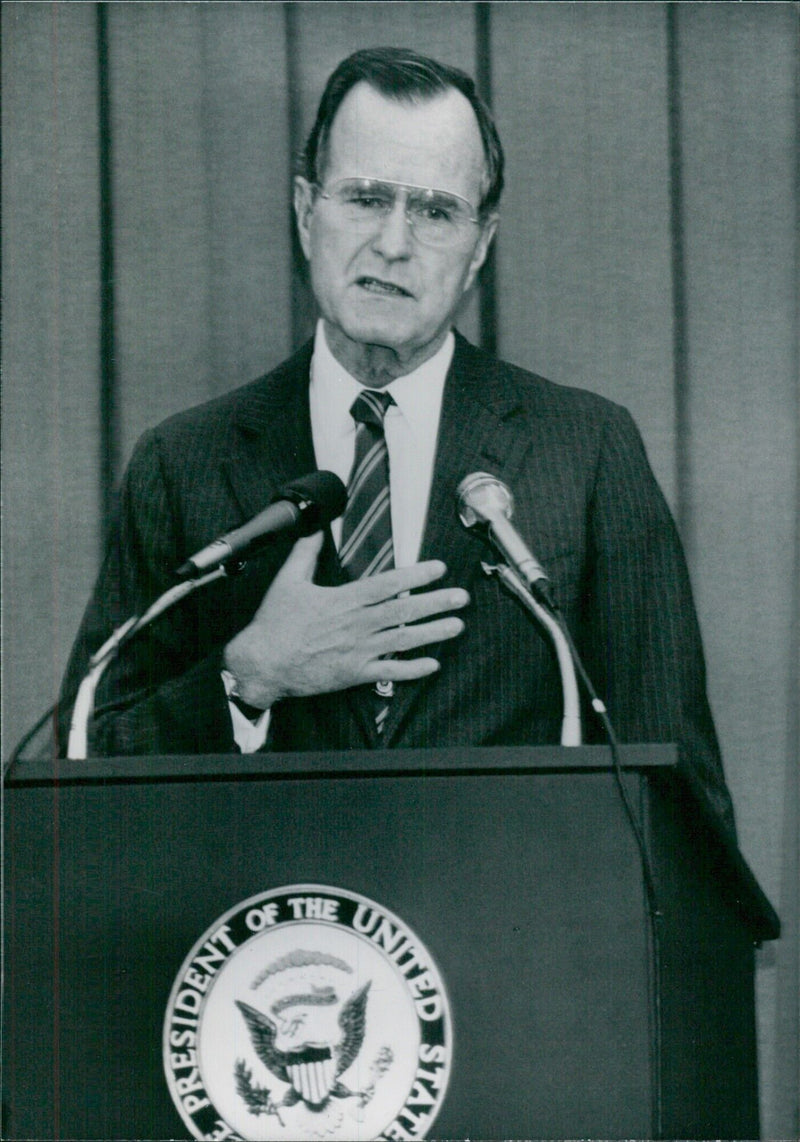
(303, 505)
(485, 500)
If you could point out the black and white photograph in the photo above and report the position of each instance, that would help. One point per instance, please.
(400, 570)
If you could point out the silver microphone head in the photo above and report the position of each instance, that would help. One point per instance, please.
(483, 498)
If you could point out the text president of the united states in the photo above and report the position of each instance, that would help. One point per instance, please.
(383, 630)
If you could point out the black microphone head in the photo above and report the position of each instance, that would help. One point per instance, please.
(483, 498)
(320, 496)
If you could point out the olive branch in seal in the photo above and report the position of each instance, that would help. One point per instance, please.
(380, 1064)
(258, 1099)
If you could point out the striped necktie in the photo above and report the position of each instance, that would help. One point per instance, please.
(366, 545)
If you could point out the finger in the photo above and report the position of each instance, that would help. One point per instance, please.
(400, 639)
(302, 559)
(412, 608)
(387, 584)
(400, 669)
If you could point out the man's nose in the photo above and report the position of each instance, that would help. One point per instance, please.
(394, 239)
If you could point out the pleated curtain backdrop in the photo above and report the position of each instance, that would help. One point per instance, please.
(647, 250)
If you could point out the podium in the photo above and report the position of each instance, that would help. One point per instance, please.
(515, 867)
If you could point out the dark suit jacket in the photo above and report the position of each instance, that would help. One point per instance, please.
(586, 501)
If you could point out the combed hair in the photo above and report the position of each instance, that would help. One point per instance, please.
(402, 74)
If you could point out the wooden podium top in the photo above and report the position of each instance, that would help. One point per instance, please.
(364, 763)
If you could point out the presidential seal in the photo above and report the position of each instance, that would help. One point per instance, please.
(308, 1012)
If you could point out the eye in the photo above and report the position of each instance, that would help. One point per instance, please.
(435, 209)
(435, 212)
(368, 200)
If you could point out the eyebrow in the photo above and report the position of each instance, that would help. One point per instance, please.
(408, 186)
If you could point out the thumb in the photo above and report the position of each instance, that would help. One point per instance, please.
(302, 560)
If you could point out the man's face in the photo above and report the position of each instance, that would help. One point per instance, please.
(382, 286)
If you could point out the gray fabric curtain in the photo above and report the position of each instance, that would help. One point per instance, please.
(647, 250)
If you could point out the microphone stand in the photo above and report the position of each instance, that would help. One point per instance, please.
(571, 734)
(77, 747)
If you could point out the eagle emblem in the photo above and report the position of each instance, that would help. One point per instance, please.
(310, 1034)
(307, 1012)
(313, 1068)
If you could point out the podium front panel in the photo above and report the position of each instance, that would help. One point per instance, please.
(525, 889)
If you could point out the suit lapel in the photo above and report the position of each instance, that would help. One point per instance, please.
(273, 444)
(271, 434)
(481, 428)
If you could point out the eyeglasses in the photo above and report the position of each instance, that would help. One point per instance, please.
(436, 217)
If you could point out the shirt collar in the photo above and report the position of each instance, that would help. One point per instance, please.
(418, 395)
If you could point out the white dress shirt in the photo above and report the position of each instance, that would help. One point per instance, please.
(411, 427)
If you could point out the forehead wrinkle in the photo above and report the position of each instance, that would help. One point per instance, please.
(397, 139)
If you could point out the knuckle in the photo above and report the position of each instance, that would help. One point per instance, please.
(407, 611)
(405, 638)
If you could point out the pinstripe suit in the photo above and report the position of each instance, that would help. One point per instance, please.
(586, 501)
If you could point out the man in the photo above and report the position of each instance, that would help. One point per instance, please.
(384, 631)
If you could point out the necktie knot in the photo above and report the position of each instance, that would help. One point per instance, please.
(370, 407)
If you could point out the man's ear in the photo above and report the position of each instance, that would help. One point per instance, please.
(488, 230)
(303, 209)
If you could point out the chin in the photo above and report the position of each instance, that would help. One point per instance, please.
(386, 333)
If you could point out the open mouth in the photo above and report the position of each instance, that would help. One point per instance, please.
(379, 286)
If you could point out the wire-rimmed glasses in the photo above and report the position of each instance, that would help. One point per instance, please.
(436, 217)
